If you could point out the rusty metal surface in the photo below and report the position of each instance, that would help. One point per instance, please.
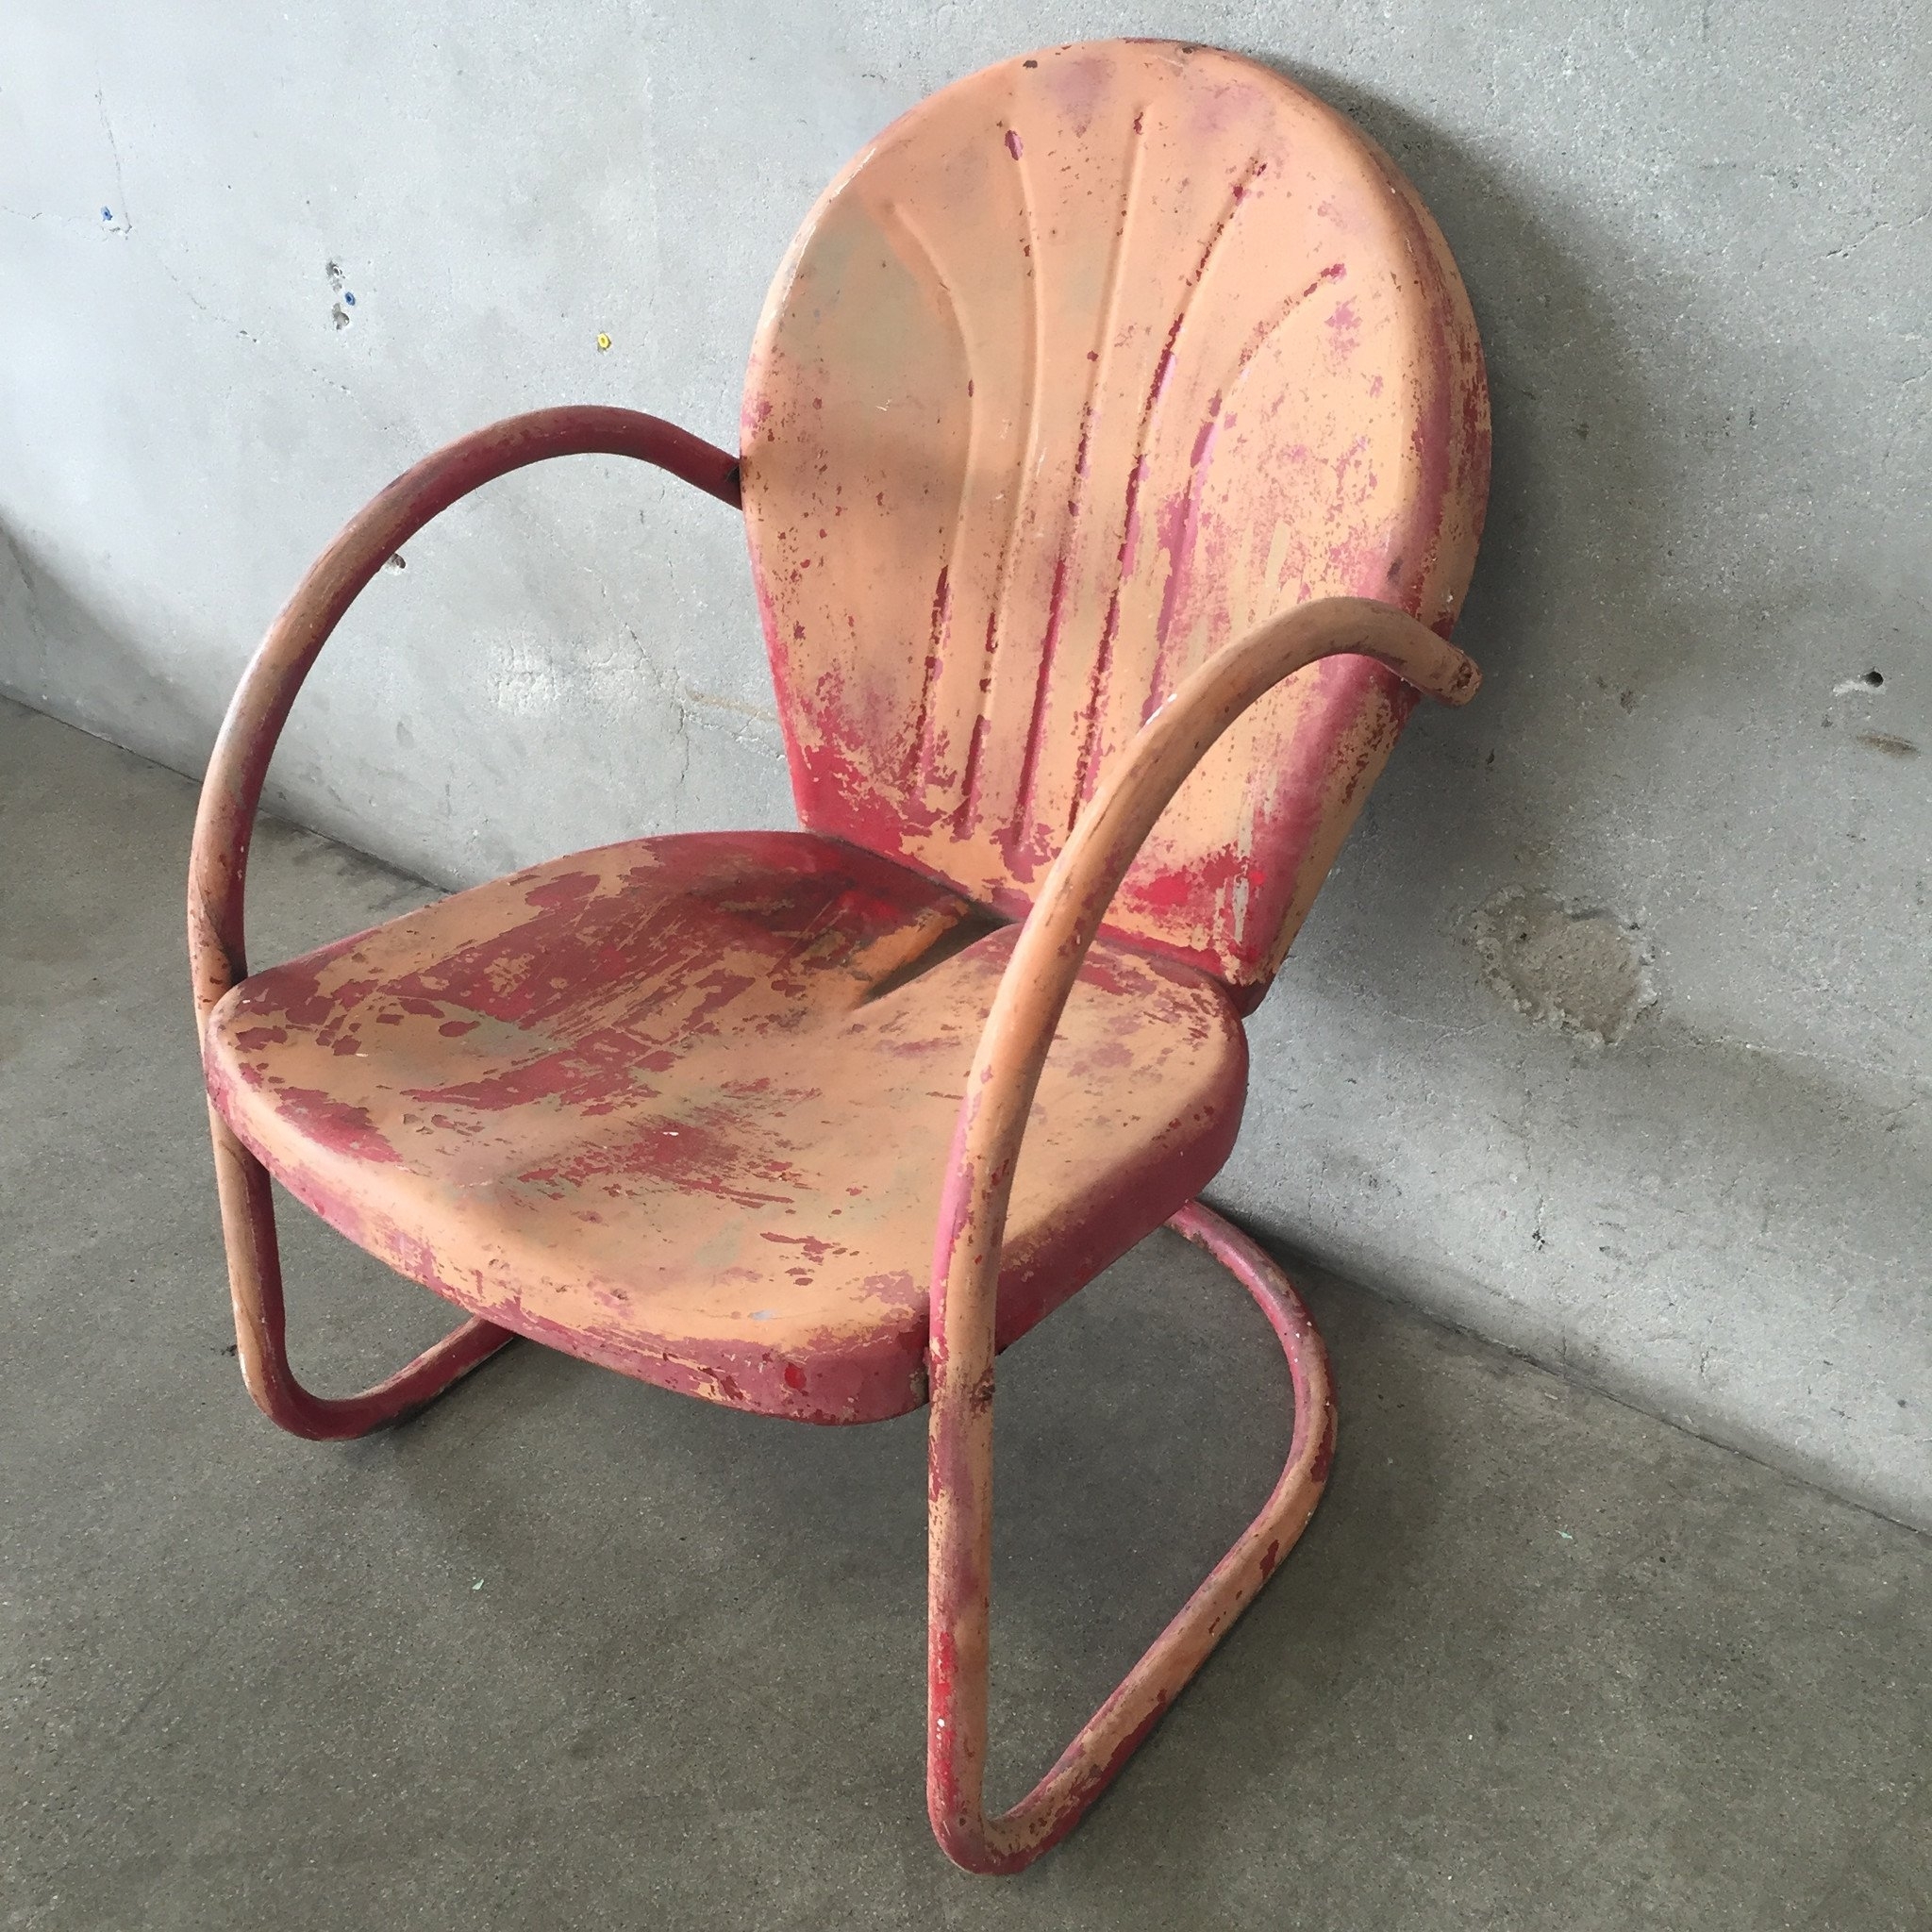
(1086, 366)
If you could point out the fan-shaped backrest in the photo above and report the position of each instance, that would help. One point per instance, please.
(1089, 363)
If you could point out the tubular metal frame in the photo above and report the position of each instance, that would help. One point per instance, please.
(967, 1253)
(224, 823)
(991, 1124)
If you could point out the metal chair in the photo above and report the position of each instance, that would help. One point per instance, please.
(1115, 439)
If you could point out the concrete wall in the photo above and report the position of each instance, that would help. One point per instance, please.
(1686, 810)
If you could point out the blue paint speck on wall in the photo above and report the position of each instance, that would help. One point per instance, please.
(106, 214)
(349, 299)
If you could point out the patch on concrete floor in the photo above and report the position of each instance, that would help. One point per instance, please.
(1578, 969)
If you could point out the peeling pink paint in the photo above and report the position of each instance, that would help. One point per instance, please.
(683, 1106)
(683, 1038)
(1133, 455)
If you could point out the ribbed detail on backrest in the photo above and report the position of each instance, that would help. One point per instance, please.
(1087, 364)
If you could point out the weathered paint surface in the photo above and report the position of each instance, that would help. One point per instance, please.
(1085, 367)
(651, 1104)
(224, 823)
(686, 1106)
(956, 1657)
(993, 1124)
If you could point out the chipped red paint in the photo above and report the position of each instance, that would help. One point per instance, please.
(1324, 1456)
(999, 1104)
(330, 1123)
(1111, 485)
(615, 1005)
(957, 1654)
(683, 1106)
(218, 876)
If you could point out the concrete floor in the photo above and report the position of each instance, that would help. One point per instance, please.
(571, 1652)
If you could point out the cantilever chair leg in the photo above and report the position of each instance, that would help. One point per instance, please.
(970, 1240)
(224, 827)
(957, 1743)
(255, 1283)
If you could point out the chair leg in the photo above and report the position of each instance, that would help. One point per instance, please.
(254, 1284)
(958, 1591)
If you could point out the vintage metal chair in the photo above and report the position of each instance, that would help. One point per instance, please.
(1115, 433)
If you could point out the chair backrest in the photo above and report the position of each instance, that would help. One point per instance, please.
(1089, 363)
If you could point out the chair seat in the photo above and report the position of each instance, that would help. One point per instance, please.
(682, 1107)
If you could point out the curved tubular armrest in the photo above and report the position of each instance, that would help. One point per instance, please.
(218, 871)
(972, 1213)
(231, 792)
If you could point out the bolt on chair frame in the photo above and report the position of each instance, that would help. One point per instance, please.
(970, 1212)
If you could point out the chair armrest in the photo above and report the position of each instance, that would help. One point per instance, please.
(231, 792)
(978, 1186)
(1062, 927)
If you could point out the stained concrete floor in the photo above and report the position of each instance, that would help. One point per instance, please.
(570, 1652)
